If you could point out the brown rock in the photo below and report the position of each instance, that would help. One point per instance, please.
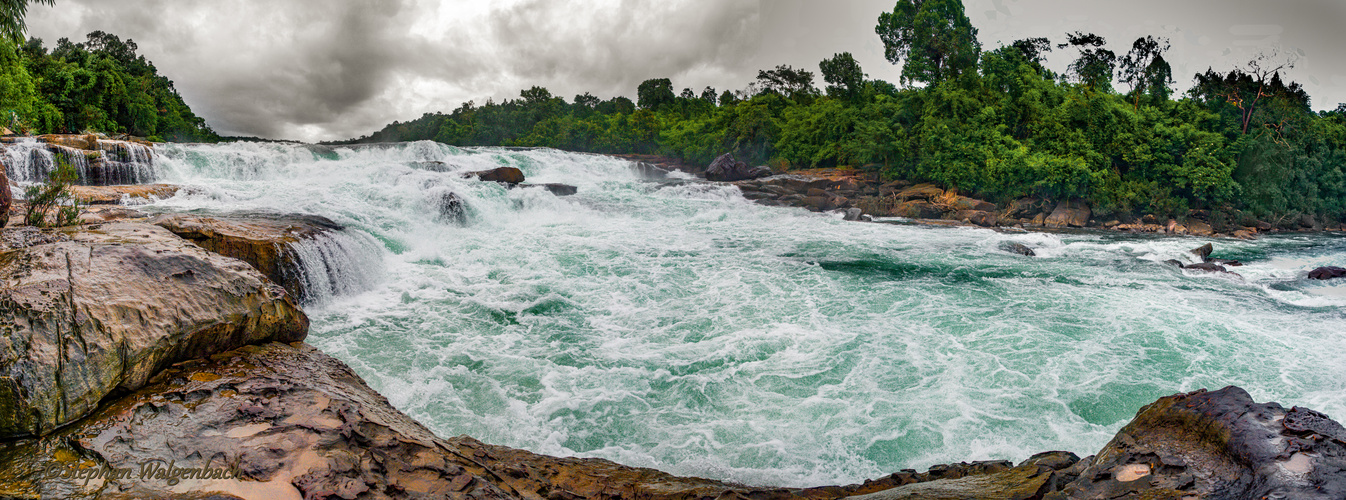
(917, 209)
(1199, 228)
(86, 142)
(920, 192)
(1221, 445)
(115, 195)
(265, 241)
(978, 217)
(89, 312)
(1069, 213)
(506, 175)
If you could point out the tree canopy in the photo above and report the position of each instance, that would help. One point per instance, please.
(933, 39)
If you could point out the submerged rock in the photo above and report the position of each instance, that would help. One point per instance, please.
(1203, 252)
(1019, 248)
(556, 188)
(452, 208)
(1327, 273)
(90, 312)
(1218, 445)
(726, 168)
(263, 240)
(504, 175)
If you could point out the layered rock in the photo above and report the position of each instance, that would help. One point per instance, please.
(118, 195)
(88, 313)
(1218, 445)
(726, 168)
(263, 240)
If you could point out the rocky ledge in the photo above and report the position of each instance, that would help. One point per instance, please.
(91, 312)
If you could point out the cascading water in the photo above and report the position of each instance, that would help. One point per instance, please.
(28, 161)
(336, 263)
(673, 324)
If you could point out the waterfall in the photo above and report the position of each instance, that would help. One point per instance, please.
(335, 263)
(119, 162)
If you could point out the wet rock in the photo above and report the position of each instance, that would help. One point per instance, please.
(1203, 251)
(6, 196)
(452, 208)
(853, 214)
(1069, 213)
(1199, 228)
(1208, 267)
(917, 209)
(649, 171)
(1019, 248)
(263, 240)
(1225, 262)
(430, 166)
(987, 480)
(85, 141)
(118, 195)
(505, 175)
(1218, 445)
(275, 421)
(1327, 273)
(727, 169)
(90, 312)
(556, 189)
(1175, 263)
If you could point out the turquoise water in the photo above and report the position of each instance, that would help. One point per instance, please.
(674, 325)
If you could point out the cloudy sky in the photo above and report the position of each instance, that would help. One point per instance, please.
(315, 70)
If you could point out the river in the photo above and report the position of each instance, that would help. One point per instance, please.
(673, 324)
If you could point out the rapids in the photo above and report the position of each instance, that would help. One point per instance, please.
(675, 325)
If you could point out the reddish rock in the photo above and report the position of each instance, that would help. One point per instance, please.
(506, 175)
(1327, 273)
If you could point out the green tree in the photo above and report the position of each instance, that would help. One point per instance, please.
(934, 38)
(12, 12)
(1095, 64)
(1146, 71)
(654, 94)
(784, 80)
(844, 77)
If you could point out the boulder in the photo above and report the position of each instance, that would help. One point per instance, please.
(90, 312)
(451, 208)
(853, 214)
(1069, 213)
(1203, 252)
(978, 217)
(649, 171)
(1218, 445)
(728, 169)
(263, 240)
(1175, 263)
(1019, 248)
(1208, 267)
(1327, 273)
(504, 175)
(917, 209)
(85, 141)
(118, 195)
(556, 189)
(1199, 228)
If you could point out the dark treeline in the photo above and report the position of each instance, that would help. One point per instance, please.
(100, 85)
(1242, 143)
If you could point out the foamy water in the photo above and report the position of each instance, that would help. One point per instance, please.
(675, 325)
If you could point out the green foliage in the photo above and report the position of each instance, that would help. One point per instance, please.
(101, 85)
(654, 94)
(12, 13)
(934, 38)
(55, 196)
(844, 77)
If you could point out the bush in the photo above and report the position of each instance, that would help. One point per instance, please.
(54, 195)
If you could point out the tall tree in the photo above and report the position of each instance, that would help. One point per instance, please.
(655, 93)
(1095, 65)
(844, 77)
(1145, 70)
(796, 84)
(933, 39)
(1251, 90)
(12, 13)
(1033, 49)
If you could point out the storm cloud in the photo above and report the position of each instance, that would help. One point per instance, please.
(332, 69)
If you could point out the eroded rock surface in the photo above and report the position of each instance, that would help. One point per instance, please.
(727, 168)
(263, 240)
(1218, 445)
(89, 312)
(116, 195)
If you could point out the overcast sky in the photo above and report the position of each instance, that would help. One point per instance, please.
(315, 70)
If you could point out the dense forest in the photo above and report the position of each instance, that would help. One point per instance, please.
(998, 124)
(100, 85)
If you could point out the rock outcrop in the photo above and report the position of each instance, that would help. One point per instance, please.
(118, 195)
(263, 240)
(1218, 445)
(1018, 248)
(6, 196)
(503, 175)
(87, 313)
(1069, 213)
(728, 169)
